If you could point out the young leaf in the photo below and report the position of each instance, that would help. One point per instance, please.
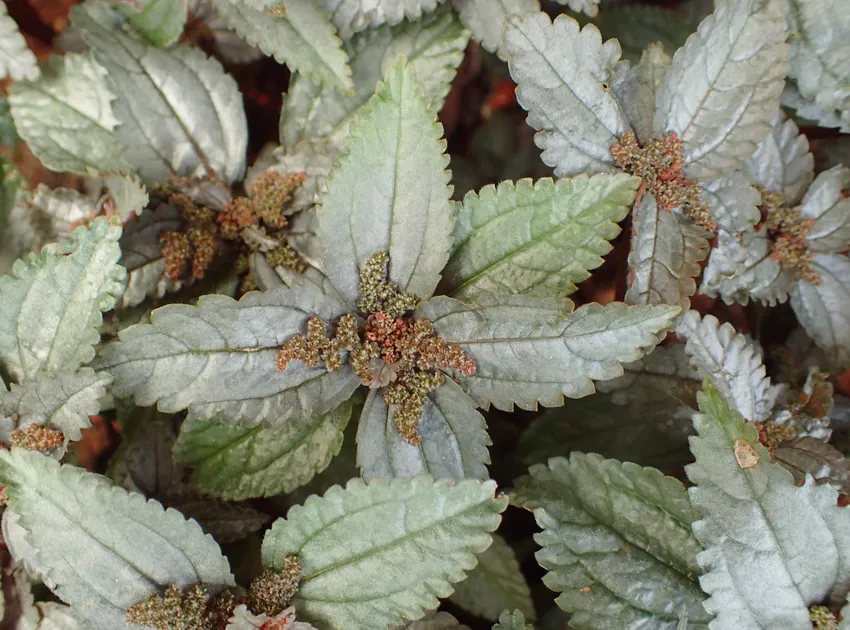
(665, 255)
(179, 112)
(637, 89)
(351, 16)
(217, 359)
(486, 19)
(733, 364)
(390, 193)
(512, 620)
(826, 202)
(299, 35)
(87, 532)
(161, 22)
(533, 350)
(824, 309)
(756, 522)
(65, 116)
(617, 542)
(51, 306)
(396, 547)
(535, 239)
(16, 59)
(495, 583)
(723, 88)
(236, 463)
(64, 401)
(564, 77)
(454, 439)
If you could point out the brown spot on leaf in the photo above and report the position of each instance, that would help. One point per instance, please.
(746, 456)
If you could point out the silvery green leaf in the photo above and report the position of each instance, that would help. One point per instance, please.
(733, 364)
(128, 195)
(494, 584)
(640, 26)
(60, 210)
(756, 522)
(512, 620)
(52, 304)
(66, 118)
(179, 111)
(616, 541)
(17, 61)
(486, 18)
(735, 62)
(302, 236)
(352, 16)
(299, 35)
(236, 463)
(434, 47)
(536, 238)
(666, 250)
(141, 255)
(390, 193)
(564, 76)
(454, 439)
(824, 309)
(433, 621)
(828, 203)
(808, 109)
(161, 22)
(782, 161)
(217, 359)
(87, 532)
(808, 455)
(64, 401)
(637, 90)
(733, 202)
(529, 351)
(589, 7)
(391, 547)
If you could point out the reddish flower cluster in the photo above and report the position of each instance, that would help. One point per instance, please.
(788, 231)
(38, 437)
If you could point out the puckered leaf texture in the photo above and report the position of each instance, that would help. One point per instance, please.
(377, 554)
(827, 204)
(161, 22)
(782, 161)
(87, 532)
(512, 620)
(352, 16)
(486, 18)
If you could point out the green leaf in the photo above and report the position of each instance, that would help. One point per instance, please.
(434, 621)
(66, 118)
(434, 47)
(161, 22)
(616, 541)
(733, 364)
(127, 194)
(735, 62)
(512, 620)
(377, 554)
(757, 523)
(495, 583)
(532, 350)
(827, 204)
(486, 19)
(454, 439)
(390, 193)
(563, 76)
(351, 16)
(639, 26)
(8, 133)
(236, 463)
(217, 359)
(588, 7)
(64, 401)
(17, 61)
(300, 36)
(665, 253)
(51, 306)
(180, 113)
(824, 309)
(535, 239)
(87, 532)
(782, 162)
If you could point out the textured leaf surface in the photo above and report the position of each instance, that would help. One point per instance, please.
(66, 116)
(733, 202)
(377, 554)
(237, 463)
(300, 37)
(51, 306)
(218, 359)
(64, 401)
(494, 584)
(664, 258)
(351, 16)
(179, 111)
(16, 59)
(827, 203)
(723, 88)
(88, 532)
(824, 309)
(535, 238)
(454, 439)
(589, 7)
(782, 161)
(486, 18)
(512, 620)
(732, 363)
(434, 47)
(161, 22)
(563, 75)
(636, 90)
(616, 541)
(390, 193)
(756, 522)
(532, 350)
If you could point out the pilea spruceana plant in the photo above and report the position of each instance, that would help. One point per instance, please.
(259, 375)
